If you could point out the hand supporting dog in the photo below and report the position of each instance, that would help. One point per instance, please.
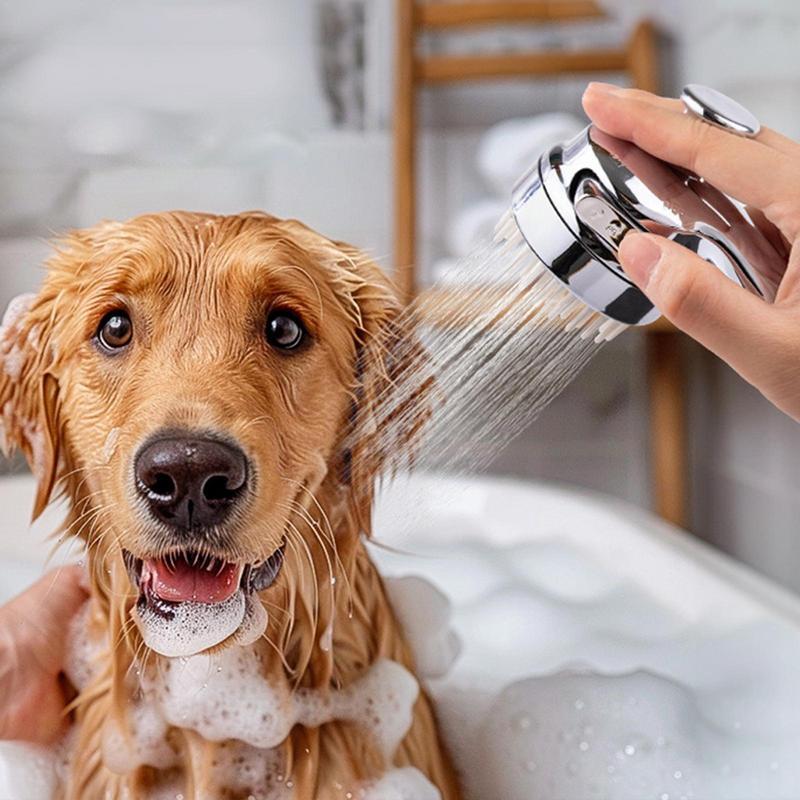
(33, 642)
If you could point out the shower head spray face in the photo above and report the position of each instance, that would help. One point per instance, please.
(575, 205)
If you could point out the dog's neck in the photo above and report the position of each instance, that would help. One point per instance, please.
(329, 621)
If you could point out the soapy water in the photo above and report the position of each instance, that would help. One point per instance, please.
(576, 681)
(554, 675)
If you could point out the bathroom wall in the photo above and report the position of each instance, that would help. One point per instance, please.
(108, 110)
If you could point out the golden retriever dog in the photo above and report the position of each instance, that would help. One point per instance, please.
(191, 385)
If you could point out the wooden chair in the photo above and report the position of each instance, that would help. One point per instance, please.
(637, 59)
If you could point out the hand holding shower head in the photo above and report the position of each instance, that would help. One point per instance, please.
(573, 208)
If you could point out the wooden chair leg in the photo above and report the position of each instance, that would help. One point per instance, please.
(668, 457)
(405, 150)
(643, 57)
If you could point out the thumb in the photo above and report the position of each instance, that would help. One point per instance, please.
(697, 298)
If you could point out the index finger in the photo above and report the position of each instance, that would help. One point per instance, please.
(767, 136)
(747, 169)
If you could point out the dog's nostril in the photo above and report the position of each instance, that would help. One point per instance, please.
(218, 489)
(163, 486)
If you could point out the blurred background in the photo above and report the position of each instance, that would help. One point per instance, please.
(110, 109)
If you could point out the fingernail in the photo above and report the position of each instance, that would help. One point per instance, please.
(600, 88)
(639, 254)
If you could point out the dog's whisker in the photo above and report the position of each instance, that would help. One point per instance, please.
(323, 547)
(313, 524)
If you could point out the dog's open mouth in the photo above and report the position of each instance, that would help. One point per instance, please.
(189, 602)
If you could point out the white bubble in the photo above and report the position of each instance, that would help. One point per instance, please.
(193, 627)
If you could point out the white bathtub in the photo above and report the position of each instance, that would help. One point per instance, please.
(604, 653)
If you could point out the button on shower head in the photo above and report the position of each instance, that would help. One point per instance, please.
(575, 205)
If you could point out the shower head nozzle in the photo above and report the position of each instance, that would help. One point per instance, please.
(574, 207)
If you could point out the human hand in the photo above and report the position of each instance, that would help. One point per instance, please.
(33, 644)
(761, 341)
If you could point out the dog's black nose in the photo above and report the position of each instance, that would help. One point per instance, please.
(190, 483)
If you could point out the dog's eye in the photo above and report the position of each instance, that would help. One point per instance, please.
(284, 330)
(115, 331)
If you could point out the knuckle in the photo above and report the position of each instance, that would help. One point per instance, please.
(786, 215)
(678, 292)
(699, 141)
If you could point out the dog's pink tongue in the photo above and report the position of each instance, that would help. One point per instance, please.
(181, 582)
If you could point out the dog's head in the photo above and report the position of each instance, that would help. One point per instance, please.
(190, 381)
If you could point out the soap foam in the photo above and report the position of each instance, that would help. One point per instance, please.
(194, 627)
(226, 695)
(27, 772)
(424, 613)
(83, 652)
(141, 739)
(226, 698)
(11, 353)
(406, 783)
(577, 682)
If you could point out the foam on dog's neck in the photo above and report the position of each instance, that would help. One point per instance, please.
(225, 697)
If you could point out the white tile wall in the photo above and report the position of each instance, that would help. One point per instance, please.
(339, 183)
(127, 191)
(36, 200)
(21, 268)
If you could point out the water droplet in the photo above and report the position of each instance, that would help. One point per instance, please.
(579, 705)
(522, 722)
(664, 796)
(531, 766)
(583, 746)
(630, 750)
(326, 640)
(677, 774)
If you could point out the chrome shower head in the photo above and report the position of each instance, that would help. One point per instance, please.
(575, 205)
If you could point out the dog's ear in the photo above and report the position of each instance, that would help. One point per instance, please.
(393, 386)
(29, 392)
